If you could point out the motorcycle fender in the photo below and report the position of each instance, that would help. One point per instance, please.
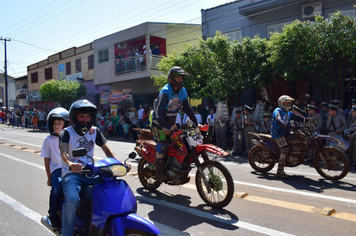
(327, 138)
(210, 148)
(132, 221)
(149, 153)
(110, 199)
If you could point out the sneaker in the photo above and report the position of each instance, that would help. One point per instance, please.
(55, 221)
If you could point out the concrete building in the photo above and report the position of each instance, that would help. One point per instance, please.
(21, 84)
(244, 18)
(73, 64)
(11, 91)
(126, 60)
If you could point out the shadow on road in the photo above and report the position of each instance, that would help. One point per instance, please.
(171, 210)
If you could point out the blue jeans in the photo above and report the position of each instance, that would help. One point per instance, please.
(56, 192)
(71, 184)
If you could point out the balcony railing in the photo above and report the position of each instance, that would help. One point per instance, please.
(136, 64)
(22, 91)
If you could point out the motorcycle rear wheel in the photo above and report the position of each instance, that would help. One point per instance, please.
(220, 182)
(260, 159)
(147, 174)
(337, 165)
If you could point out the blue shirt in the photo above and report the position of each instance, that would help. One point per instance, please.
(277, 129)
(168, 105)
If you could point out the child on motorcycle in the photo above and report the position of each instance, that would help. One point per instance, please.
(57, 119)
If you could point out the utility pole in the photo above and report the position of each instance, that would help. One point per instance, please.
(5, 75)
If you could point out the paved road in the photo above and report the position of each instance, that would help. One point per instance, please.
(270, 207)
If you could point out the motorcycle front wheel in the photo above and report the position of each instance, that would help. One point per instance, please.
(336, 164)
(136, 232)
(260, 159)
(219, 181)
(147, 174)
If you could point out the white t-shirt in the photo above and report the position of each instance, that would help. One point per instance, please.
(87, 141)
(140, 113)
(50, 149)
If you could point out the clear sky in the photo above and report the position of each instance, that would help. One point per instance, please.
(40, 28)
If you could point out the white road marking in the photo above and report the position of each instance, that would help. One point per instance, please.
(36, 217)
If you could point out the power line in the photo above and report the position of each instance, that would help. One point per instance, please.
(29, 16)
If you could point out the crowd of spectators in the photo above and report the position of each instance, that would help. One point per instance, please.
(24, 118)
(125, 123)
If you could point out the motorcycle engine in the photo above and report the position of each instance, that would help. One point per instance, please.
(174, 169)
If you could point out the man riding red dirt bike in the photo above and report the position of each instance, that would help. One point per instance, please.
(213, 180)
(172, 160)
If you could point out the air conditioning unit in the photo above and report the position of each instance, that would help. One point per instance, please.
(309, 10)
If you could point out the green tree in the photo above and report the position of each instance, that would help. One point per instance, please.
(64, 92)
(322, 51)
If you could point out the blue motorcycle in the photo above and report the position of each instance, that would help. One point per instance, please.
(108, 208)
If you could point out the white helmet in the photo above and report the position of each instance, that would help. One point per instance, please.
(285, 98)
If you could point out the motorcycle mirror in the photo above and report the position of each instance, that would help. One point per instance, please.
(79, 152)
(132, 155)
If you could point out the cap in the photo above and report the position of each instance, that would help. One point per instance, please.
(237, 110)
(248, 108)
(332, 107)
(266, 115)
(353, 101)
(325, 104)
(309, 106)
(335, 102)
(353, 108)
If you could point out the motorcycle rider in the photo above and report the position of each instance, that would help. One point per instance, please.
(172, 97)
(57, 119)
(281, 118)
(81, 134)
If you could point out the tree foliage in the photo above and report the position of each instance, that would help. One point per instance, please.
(64, 92)
(217, 64)
(322, 51)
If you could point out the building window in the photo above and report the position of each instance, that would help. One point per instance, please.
(48, 73)
(234, 35)
(90, 62)
(34, 77)
(78, 65)
(276, 28)
(103, 55)
(68, 68)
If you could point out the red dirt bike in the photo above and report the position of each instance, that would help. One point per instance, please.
(213, 180)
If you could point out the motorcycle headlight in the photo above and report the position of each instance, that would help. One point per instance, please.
(114, 170)
(195, 138)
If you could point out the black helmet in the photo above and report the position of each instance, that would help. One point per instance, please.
(55, 114)
(173, 72)
(86, 107)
